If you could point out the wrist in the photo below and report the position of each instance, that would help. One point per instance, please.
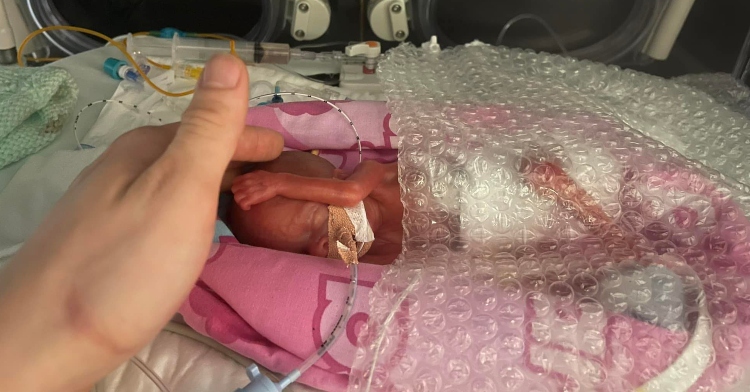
(41, 348)
(27, 340)
(281, 183)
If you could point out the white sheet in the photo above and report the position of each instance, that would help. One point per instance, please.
(32, 192)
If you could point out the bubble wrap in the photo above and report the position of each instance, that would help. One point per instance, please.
(549, 244)
(723, 88)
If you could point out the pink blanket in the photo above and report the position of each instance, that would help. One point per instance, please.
(318, 126)
(276, 307)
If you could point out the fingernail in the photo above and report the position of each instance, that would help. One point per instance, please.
(223, 72)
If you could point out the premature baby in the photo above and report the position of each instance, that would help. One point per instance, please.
(286, 204)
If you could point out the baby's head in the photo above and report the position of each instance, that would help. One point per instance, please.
(283, 224)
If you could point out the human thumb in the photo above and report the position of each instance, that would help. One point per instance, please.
(213, 122)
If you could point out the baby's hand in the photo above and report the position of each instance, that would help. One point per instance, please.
(254, 188)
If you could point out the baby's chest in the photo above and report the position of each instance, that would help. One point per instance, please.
(388, 195)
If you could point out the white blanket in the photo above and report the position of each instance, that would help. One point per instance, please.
(33, 191)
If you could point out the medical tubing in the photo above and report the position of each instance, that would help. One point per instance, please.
(336, 333)
(114, 43)
(329, 103)
(541, 21)
(102, 101)
(635, 29)
(633, 32)
(123, 38)
(150, 374)
(743, 60)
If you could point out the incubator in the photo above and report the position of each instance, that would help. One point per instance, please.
(553, 237)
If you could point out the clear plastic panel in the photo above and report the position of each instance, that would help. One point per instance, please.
(550, 245)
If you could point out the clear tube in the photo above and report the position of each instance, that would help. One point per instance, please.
(158, 382)
(333, 337)
(623, 41)
(541, 21)
(743, 60)
(201, 49)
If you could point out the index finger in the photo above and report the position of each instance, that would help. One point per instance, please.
(258, 144)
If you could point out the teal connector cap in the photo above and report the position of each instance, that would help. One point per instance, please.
(112, 67)
(169, 32)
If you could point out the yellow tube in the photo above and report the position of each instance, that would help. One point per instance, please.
(112, 42)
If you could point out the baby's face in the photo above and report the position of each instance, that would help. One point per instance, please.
(283, 224)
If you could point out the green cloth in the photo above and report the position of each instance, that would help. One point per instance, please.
(34, 104)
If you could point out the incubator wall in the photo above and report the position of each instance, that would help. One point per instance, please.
(556, 236)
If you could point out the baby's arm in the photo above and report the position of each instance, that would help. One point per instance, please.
(259, 186)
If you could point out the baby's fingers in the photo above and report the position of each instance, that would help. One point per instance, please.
(243, 203)
(248, 199)
(248, 178)
(246, 186)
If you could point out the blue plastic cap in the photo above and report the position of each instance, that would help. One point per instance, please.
(112, 66)
(169, 32)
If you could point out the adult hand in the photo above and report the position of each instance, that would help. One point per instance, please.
(123, 247)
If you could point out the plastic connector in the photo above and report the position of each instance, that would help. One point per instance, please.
(112, 67)
(276, 98)
(370, 50)
(186, 71)
(169, 32)
(432, 45)
(259, 382)
(121, 70)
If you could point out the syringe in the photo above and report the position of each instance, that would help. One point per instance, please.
(189, 50)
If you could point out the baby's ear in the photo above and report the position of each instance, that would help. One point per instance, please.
(319, 247)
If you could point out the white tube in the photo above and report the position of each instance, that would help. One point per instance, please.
(665, 35)
(743, 60)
